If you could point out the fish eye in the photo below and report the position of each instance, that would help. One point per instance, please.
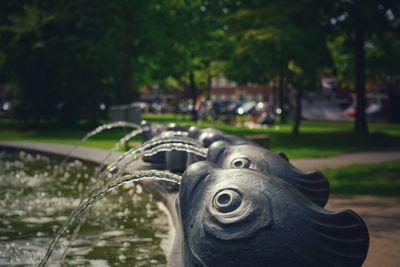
(227, 200)
(240, 163)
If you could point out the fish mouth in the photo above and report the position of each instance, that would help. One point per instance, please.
(192, 179)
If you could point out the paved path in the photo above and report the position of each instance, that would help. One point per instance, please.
(346, 160)
(85, 154)
(93, 155)
(382, 216)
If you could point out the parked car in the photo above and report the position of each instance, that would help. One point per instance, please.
(350, 111)
(223, 107)
(372, 110)
(246, 108)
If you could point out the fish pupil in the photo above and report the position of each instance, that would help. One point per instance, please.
(224, 199)
(238, 163)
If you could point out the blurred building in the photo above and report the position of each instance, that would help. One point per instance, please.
(223, 89)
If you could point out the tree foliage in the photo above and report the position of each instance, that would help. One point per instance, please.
(64, 58)
(278, 38)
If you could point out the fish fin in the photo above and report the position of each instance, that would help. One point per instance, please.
(283, 155)
(344, 237)
(314, 185)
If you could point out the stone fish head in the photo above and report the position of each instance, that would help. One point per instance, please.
(151, 130)
(242, 217)
(313, 184)
(208, 136)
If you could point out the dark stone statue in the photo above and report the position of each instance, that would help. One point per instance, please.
(244, 217)
(151, 130)
(313, 184)
(174, 161)
(208, 136)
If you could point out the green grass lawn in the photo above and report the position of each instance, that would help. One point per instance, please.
(317, 139)
(104, 140)
(381, 179)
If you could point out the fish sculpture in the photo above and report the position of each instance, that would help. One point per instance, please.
(208, 136)
(243, 217)
(151, 130)
(161, 131)
(313, 184)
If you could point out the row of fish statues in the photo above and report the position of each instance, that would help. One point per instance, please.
(244, 205)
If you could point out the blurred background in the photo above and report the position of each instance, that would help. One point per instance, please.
(251, 63)
(319, 78)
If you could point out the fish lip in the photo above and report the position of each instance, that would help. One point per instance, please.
(193, 178)
(195, 186)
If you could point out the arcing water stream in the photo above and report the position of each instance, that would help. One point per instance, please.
(101, 128)
(117, 147)
(127, 226)
(178, 142)
(135, 154)
(108, 126)
(93, 197)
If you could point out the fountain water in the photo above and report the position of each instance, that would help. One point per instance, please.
(108, 126)
(95, 196)
(118, 145)
(103, 127)
(153, 147)
(135, 153)
(33, 205)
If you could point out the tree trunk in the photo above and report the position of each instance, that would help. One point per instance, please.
(209, 81)
(281, 88)
(193, 90)
(360, 123)
(126, 94)
(274, 95)
(297, 114)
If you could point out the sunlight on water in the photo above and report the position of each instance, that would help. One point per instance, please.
(126, 227)
(95, 196)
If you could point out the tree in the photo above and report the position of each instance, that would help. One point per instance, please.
(66, 57)
(191, 46)
(281, 39)
(355, 23)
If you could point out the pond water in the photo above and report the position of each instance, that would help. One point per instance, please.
(127, 227)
